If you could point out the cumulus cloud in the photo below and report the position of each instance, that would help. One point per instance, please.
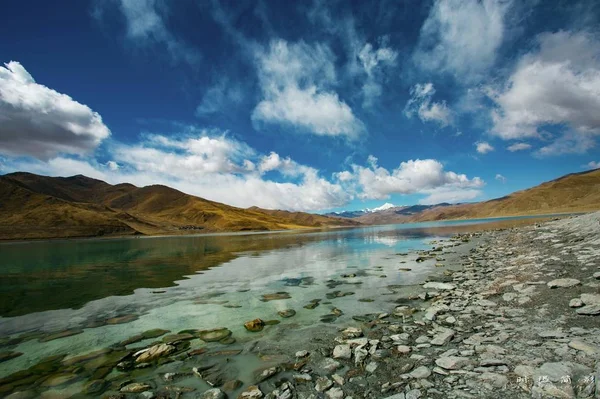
(593, 165)
(500, 178)
(40, 122)
(483, 147)
(413, 176)
(146, 26)
(462, 37)
(518, 147)
(557, 84)
(207, 164)
(421, 103)
(296, 81)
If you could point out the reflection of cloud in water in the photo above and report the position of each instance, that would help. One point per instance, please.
(385, 240)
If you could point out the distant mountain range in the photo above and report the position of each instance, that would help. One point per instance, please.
(33, 206)
(385, 213)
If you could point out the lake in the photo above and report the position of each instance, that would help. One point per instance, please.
(71, 297)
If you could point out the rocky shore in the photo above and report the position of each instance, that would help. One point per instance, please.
(511, 313)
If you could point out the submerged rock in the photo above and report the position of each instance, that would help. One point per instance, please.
(135, 387)
(5, 356)
(254, 325)
(216, 334)
(287, 313)
(275, 297)
(60, 379)
(128, 318)
(61, 334)
(154, 352)
(178, 337)
(252, 392)
(214, 393)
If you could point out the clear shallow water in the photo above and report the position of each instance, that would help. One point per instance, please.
(203, 282)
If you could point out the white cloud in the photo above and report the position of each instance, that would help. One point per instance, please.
(569, 143)
(344, 176)
(500, 178)
(483, 147)
(146, 26)
(296, 81)
(427, 110)
(413, 176)
(219, 97)
(558, 84)
(593, 164)
(518, 147)
(38, 121)
(374, 63)
(462, 37)
(449, 195)
(209, 165)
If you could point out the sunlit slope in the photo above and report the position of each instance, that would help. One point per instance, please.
(578, 192)
(42, 206)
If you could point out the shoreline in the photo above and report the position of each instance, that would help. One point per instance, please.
(493, 329)
(292, 231)
(486, 324)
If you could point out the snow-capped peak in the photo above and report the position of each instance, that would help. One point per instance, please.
(383, 207)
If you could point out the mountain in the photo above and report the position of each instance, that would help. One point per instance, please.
(576, 192)
(33, 206)
(356, 214)
(399, 214)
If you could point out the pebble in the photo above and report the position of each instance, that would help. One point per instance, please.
(214, 393)
(420, 372)
(452, 362)
(563, 283)
(335, 393)
(323, 383)
(252, 392)
(342, 352)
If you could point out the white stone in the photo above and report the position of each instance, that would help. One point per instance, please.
(301, 354)
(335, 393)
(439, 286)
(563, 283)
(452, 362)
(252, 392)
(590, 299)
(443, 337)
(590, 310)
(403, 349)
(323, 384)
(371, 367)
(342, 352)
(575, 303)
(420, 372)
(214, 393)
(352, 332)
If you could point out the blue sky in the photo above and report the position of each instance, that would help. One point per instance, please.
(312, 106)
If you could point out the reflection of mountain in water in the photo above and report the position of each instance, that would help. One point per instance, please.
(41, 276)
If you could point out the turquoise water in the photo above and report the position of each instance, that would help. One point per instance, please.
(203, 282)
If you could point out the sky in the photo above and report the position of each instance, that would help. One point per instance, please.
(312, 105)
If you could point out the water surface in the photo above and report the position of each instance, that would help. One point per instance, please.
(203, 282)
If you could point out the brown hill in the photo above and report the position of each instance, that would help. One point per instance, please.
(33, 206)
(577, 192)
